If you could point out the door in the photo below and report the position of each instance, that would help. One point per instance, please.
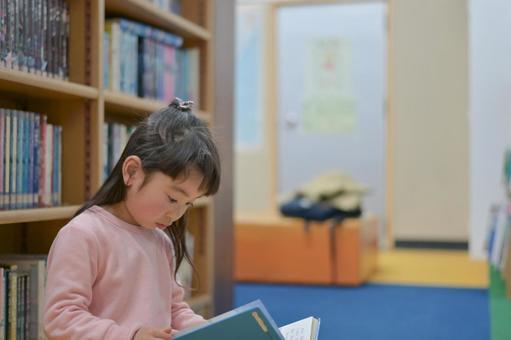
(330, 95)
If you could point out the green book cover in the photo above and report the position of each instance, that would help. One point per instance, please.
(249, 322)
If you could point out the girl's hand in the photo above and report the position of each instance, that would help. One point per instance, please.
(146, 333)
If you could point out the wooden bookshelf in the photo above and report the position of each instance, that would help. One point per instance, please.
(145, 11)
(33, 85)
(38, 214)
(81, 106)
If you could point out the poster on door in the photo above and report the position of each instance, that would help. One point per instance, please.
(328, 104)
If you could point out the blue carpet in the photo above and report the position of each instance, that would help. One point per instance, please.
(377, 311)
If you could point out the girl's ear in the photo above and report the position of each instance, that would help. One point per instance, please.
(132, 170)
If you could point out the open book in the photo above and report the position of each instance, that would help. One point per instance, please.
(251, 322)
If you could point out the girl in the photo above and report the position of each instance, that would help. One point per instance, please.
(111, 269)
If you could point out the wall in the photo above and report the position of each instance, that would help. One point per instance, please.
(253, 157)
(429, 98)
(490, 110)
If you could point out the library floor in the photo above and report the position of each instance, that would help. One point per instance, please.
(415, 294)
(431, 267)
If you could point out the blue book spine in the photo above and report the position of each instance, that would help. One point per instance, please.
(55, 165)
(26, 158)
(141, 67)
(19, 160)
(30, 165)
(36, 165)
(161, 72)
(106, 60)
(14, 136)
(7, 158)
(134, 64)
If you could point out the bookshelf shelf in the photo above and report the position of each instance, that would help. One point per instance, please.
(38, 214)
(126, 104)
(43, 87)
(118, 102)
(145, 11)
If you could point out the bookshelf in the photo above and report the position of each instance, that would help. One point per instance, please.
(81, 105)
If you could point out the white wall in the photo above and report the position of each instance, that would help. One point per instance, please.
(490, 109)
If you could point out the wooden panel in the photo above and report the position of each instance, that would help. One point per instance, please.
(10, 238)
(195, 11)
(40, 235)
(77, 52)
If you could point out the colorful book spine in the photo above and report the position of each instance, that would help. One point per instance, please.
(42, 161)
(14, 160)
(37, 169)
(2, 160)
(49, 165)
(7, 159)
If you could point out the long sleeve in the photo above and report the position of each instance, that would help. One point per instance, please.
(72, 268)
(182, 315)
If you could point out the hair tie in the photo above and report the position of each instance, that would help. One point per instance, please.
(183, 105)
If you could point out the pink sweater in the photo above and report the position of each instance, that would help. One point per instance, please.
(108, 278)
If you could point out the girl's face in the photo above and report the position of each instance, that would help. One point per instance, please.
(162, 200)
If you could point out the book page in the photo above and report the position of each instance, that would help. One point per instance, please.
(299, 330)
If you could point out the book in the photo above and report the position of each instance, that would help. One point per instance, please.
(251, 322)
(33, 266)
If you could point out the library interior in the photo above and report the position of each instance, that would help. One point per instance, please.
(370, 200)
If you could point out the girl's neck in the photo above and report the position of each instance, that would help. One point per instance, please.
(120, 211)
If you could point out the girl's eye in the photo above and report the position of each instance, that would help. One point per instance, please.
(172, 200)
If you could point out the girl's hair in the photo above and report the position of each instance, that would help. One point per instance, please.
(174, 141)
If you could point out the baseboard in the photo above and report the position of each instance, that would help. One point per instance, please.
(422, 244)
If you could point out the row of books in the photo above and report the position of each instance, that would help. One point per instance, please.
(30, 160)
(498, 239)
(34, 36)
(116, 137)
(22, 286)
(169, 5)
(499, 242)
(149, 63)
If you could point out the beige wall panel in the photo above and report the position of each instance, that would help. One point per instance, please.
(429, 86)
